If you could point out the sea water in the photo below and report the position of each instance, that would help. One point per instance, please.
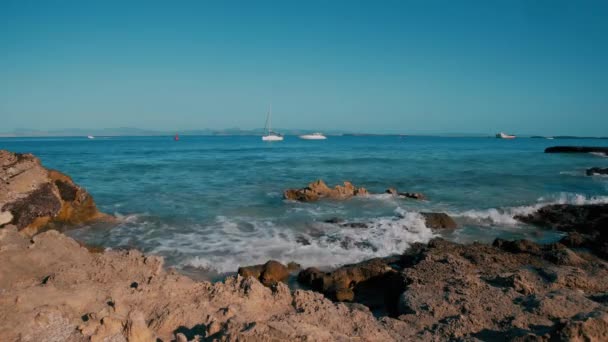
(210, 204)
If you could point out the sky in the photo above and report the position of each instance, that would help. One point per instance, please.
(524, 67)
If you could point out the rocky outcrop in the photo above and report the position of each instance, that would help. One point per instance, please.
(412, 195)
(269, 273)
(511, 290)
(439, 221)
(589, 222)
(52, 289)
(596, 171)
(577, 149)
(34, 198)
(319, 190)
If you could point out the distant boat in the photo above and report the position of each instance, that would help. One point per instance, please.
(313, 136)
(502, 135)
(176, 137)
(269, 135)
(90, 137)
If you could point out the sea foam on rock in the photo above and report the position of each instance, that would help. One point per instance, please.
(34, 198)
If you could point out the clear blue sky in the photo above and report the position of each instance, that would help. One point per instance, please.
(382, 66)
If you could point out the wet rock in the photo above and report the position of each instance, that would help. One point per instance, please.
(576, 149)
(439, 221)
(590, 221)
(269, 273)
(34, 198)
(412, 195)
(597, 171)
(391, 191)
(318, 190)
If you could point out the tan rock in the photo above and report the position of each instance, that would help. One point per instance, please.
(137, 330)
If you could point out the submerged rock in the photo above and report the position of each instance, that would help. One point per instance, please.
(318, 190)
(597, 171)
(34, 198)
(439, 221)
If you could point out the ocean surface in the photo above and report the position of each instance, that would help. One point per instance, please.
(210, 204)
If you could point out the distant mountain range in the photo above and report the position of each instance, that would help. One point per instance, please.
(132, 131)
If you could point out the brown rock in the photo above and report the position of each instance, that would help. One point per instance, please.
(439, 221)
(34, 198)
(318, 190)
(269, 273)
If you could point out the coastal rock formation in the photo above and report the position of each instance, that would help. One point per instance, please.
(318, 190)
(577, 149)
(512, 290)
(439, 221)
(34, 198)
(52, 289)
(269, 273)
(587, 224)
(597, 171)
(412, 195)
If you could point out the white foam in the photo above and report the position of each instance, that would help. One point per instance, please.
(227, 248)
(599, 154)
(505, 216)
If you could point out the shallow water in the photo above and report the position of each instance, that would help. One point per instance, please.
(214, 203)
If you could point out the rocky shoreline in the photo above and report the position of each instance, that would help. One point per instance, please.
(54, 289)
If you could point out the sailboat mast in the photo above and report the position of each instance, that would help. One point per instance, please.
(270, 119)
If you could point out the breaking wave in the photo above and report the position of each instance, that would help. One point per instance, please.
(321, 244)
(506, 216)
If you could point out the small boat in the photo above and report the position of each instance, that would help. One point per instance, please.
(269, 135)
(313, 136)
(502, 135)
(90, 137)
(176, 137)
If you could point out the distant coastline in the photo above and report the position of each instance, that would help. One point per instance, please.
(137, 132)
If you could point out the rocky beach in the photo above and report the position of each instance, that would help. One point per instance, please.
(54, 288)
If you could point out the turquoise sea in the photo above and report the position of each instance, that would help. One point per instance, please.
(212, 203)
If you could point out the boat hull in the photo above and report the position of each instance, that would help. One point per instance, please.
(272, 138)
(312, 137)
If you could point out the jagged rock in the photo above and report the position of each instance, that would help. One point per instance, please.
(343, 283)
(597, 171)
(34, 198)
(412, 195)
(439, 221)
(590, 221)
(137, 329)
(318, 190)
(269, 273)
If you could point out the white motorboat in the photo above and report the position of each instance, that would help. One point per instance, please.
(269, 135)
(502, 135)
(90, 137)
(313, 136)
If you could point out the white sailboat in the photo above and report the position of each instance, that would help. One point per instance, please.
(313, 136)
(269, 135)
